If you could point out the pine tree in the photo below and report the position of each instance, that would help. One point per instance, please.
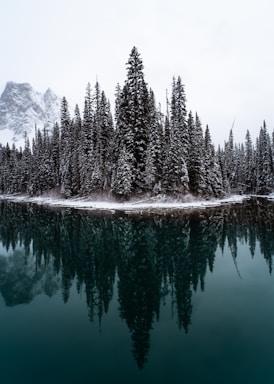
(166, 151)
(66, 150)
(178, 178)
(123, 150)
(86, 145)
(213, 174)
(55, 154)
(249, 165)
(122, 185)
(137, 118)
(101, 141)
(230, 164)
(196, 169)
(26, 166)
(239, 153)
(264, 164)
(106, 140)
(154, 151)
(75, 156)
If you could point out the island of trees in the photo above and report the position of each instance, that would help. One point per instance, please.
(140, 151)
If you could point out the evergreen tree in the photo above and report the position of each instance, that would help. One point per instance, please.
(123, 150)
(213, 174)
(101, 141)
(66, 148)
(26, 166)
(166, 152)
(106, 141)
(75, 156)
(137, 117)
(196, 169)
(178, 178)
(86, 145)
(249, 165)
(154, 150)
(239, 167)
(264, 164)
(55, 153)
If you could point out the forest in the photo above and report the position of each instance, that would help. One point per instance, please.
(139, 151)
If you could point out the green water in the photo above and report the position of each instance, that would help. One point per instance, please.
(182, 298)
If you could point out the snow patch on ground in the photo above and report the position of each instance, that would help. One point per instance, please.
(155, 204)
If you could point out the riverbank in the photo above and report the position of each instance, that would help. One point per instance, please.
(136, 205)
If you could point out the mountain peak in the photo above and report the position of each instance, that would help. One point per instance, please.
(22, 108)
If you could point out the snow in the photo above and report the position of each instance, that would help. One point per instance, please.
(155, 205)
(271, 196)
(22, 108)
(7, 136)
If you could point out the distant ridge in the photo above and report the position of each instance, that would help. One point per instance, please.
(22, 108)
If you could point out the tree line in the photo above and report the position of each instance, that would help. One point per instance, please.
(139, 151)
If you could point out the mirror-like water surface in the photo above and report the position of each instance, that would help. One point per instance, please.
(186, 298)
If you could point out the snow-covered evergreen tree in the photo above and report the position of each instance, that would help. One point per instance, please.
(55, 153)
(153, 167)
(196, 162)
(213, 175)
(264, 164)
(178, 178)
(123, 149)
(101, 142)
(76, 126)
(26, 166)
(106, 142)
(66, 148)
(230, 162)
(137, 117)
(165, 150)
(86, 145)
(249, 165)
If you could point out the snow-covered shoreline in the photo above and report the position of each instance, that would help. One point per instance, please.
(147, 205)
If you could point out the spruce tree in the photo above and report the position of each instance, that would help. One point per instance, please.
(75, 156)
(196, 163)
(66, 147)
(249, 165)
(178, 178)
(137, 117)
(213, 175)
(86, 145)
(123, 150)
(55, 153)
(264, 164)
(153, 167)
(229, 162)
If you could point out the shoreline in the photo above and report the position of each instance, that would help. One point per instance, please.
(145, 205)
(156, 204)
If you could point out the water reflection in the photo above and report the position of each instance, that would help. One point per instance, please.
(150, 258)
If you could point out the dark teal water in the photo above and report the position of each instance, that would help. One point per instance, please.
(181, 298)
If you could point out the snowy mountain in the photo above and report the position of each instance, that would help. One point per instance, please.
(22, 107)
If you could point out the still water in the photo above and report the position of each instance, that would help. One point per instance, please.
(181, 298)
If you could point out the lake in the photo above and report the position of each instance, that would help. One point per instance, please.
(185, 297)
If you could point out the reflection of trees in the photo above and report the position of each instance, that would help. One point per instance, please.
(152, 257)
(139, 286)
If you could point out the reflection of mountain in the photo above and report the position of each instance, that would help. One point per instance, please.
(152, 257)
(21, 279)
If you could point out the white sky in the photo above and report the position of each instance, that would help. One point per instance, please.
(222, 49)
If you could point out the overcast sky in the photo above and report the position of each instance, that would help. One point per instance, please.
(222, 49)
